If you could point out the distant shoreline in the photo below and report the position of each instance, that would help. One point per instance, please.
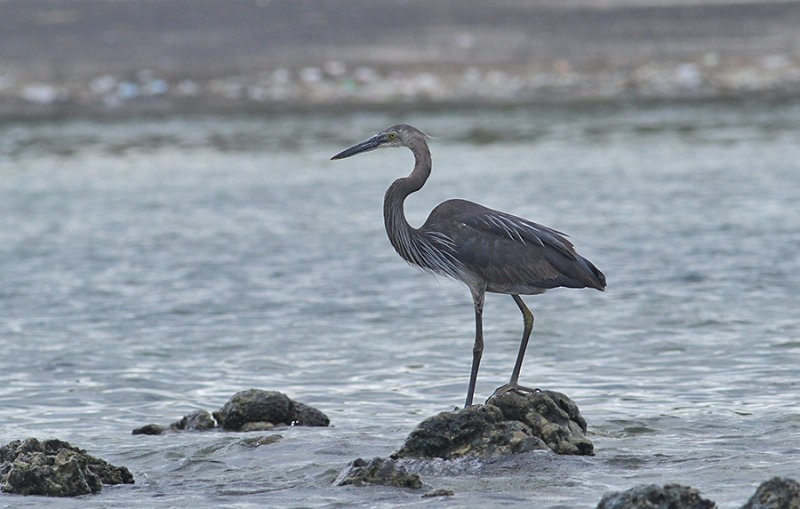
(118, 58)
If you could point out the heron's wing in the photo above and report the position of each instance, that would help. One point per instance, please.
(517, 229)
(514, 253)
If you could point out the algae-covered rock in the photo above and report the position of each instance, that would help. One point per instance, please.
(551, 416)
(478, 430)
(651, 496)
(255, 405)
(512, 422)
(776, 493)
(55, 468)
(383, 471)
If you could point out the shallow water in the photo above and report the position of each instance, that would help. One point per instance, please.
(152, 267)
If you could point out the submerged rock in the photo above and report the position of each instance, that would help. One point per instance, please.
(250, 410)
(776, 493)
(55, 468)
(255, 405)
(441, 492)
(509, 423)
(651, 496)
(149, 429)
(199, 420)
(383, 471)
(259, 441)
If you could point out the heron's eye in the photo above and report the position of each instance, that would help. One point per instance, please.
(392, 136)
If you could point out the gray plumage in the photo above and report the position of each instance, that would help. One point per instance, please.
(488, 250)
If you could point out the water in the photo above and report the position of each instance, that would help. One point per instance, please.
(152, 267)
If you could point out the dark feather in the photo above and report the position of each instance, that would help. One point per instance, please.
(513, 255)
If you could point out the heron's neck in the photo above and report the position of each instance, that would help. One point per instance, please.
(400, 233)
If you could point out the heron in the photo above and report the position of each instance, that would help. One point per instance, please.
(487, 250)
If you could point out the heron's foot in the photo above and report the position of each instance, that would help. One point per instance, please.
(512, 387)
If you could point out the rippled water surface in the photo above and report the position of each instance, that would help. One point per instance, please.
(152, 267)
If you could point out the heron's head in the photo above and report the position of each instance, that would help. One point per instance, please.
(400, 135)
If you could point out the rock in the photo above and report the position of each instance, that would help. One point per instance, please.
(478, 430)
(776, 493)
(512, 422)
(651, 496)
(305, 415)
(441, 492)
(250, 410)
(255, 405)
(551, 416)
(259, 441)
(256, 426)
(199, 420)
(149, 429)
(55, 468)
(383, 471)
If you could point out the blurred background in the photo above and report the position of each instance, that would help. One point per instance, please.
(208, 55)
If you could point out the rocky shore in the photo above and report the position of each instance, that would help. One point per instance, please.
(509, 424)
(91, 56)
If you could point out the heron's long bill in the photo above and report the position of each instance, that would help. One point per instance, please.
(364, 146)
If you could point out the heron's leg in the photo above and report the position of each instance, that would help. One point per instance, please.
(477, 348)
(513, 384)
(527, 317)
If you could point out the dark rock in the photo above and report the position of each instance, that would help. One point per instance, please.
(383, 471)
(551, 416)
(439, 493)
(55, 468)
(512, 422)
(250, 410)
(255, 405)
(776, 493)
(149, 429)
(305, 415)
(478, 430)
(199, 420)
(651, 496)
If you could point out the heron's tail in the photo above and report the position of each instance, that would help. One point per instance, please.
(594, 277)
